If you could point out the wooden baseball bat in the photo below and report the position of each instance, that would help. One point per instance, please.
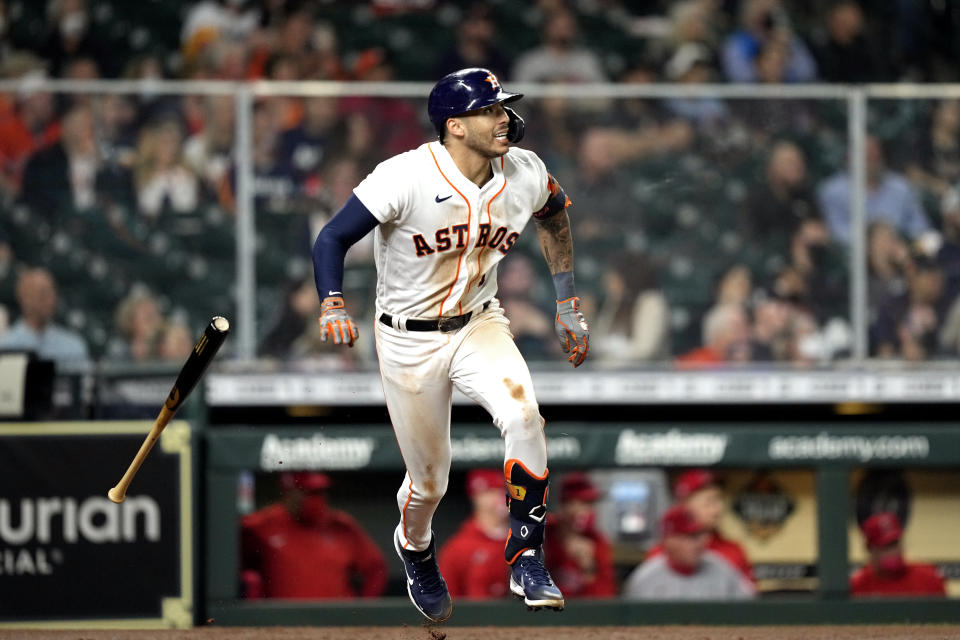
(200, 358)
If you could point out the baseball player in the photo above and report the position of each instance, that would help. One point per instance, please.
(443, 216)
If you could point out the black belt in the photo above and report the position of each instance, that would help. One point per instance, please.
(444, 325)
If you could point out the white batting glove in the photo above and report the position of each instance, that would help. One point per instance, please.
(572, 329)
(336, 323)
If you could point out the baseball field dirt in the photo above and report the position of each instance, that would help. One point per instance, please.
(886, 632)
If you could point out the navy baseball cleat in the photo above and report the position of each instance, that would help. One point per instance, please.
(425, 586)
(530, 580)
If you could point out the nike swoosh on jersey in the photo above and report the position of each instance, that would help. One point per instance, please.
(439, 199)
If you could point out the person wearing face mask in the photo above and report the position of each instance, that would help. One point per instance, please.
(302, 548)
(887, 573)
(687, 569)
(701, 492)
(579, 556)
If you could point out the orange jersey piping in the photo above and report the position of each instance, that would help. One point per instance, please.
(466, 244)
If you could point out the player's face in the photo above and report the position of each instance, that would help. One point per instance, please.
(485, 131)
(707, 506)
(686, 550)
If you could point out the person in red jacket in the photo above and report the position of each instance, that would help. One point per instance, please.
(472, 560)
(887, 573)
(579, 556)
(701, 492)
(302, 548)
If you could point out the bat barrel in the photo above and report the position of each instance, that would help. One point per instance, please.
(200, 358)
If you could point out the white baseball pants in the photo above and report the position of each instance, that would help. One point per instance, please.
(419, 369)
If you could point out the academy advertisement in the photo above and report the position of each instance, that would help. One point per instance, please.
(69, 553)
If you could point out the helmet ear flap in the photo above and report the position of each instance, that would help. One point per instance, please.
(516, 127)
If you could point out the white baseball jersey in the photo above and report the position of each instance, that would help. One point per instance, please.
(441, 236)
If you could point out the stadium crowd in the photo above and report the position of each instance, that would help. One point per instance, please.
(708, 231)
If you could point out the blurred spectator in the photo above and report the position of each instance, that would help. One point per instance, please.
(301, 547)
(70, 37)
(209, 151)
(600, 180)
(150, 105)
(116, 136)
(471, 561)
(579, 556)
(889, 264)
(701, 492)
(294, 317)
(691, 64)
(285, 112)
(275, 183)
(632, 323)
(934, 162)
(924, 36)
(36, 330)
(726, 338)
(474, 46)
(61, 178)
(139, 326)
(530, 325)
(695, 21)
(559, 58)
(294, 45)
(686, 570)
(80, 68)
(378, 127)
(948, 256)
(211, 20)
(30, 124)
(771, 328)
(162, 179)
(844, 51)
(765, 32)
(176, 342)
(890, 197)
(306, 146)
(338, 177)
(816, 276)
(887, 573)
(907, 326)
(735, 286)
(775, 208)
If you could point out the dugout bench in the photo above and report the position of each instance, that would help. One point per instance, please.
(832, 452)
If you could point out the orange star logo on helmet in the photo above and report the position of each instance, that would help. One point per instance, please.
(492, 79)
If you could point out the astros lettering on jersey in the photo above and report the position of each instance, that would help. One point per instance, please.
(441, 236)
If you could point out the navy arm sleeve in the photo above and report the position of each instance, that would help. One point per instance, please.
(345, 229)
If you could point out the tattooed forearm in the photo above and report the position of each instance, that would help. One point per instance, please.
(556, 242)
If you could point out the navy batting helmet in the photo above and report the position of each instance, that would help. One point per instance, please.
(465, 90)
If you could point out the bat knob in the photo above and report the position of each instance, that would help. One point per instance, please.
(117, 495)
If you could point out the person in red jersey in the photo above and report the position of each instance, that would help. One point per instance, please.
(701, 492)
(578, 555)
(472, 560)
(887, 573)
(302, 548)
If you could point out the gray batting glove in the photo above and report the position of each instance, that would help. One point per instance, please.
(572, 329)
(336, 323)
